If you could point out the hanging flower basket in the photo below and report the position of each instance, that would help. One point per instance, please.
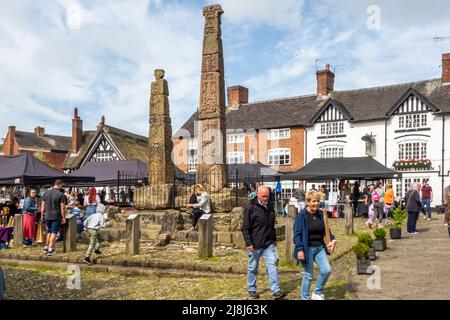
(412, 164)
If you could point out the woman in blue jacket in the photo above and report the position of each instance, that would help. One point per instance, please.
(310, 247)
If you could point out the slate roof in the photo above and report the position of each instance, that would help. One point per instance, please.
(130, 145)
(30, 140)
(362, 105)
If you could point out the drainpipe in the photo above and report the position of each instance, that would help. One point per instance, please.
(385, 143)
(443, 156)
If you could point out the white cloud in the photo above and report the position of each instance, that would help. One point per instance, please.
(283, 14)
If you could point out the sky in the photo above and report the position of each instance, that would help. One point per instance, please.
(99, 55)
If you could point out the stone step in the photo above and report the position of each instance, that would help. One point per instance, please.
(117, 234)
(144, 226)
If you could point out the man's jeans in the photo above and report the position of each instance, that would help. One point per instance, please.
(271, 258)
(319, 256)
(426, 203)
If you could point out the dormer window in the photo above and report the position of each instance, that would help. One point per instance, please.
(331, 128)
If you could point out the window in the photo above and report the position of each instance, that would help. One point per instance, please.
(279, 156)
(332, 128)
(235, 157)
(409, 121)
(192, 154)
(408, 182)
(278, 134)
(412, 150)
(235, 138)
(332, 152)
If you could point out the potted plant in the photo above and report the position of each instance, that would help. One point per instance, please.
(379, 244)
(366, 239)
(362, 257)
(398, 217)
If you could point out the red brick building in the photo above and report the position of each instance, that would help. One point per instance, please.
(50, 149)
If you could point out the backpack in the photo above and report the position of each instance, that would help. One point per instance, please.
(375, 196)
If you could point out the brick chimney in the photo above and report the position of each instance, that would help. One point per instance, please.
(325, 81)
(446, 68)
(77, 131)
(8, 145)
(101, 124)
(237, 95)
(39, 131)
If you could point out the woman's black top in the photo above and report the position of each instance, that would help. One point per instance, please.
(316, 229)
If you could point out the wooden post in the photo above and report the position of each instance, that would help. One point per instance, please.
(205, 236)
(289, 233)
(348, 220)
(133, 234)
(18, 230)
(70, 234)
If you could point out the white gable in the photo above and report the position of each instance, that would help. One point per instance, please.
(331, 114)
(412, 105)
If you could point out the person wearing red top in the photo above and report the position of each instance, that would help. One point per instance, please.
(426, 197)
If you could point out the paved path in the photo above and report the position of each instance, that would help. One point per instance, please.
(416, 267)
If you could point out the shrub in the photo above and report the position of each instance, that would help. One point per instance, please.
(398, 217)
(361, 251)
(379, 233)
(366, 239)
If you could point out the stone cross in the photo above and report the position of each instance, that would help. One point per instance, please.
(133, 234)
(205, 236)
(18, 231)
(212, 169)
(70, 233)
(160, 166)
(289, 233)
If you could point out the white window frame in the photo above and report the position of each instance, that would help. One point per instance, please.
(192, 159)
(412, 150)
(279, 134)
(274, 156)
(235, 138)
(332, 128)
(335, 151)
(235, 157)
(412, 121)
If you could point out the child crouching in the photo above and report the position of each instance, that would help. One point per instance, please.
(93, 224)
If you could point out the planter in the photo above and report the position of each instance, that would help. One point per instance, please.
(395, 233)
(380, 245)
(372, 255)
(362, 266)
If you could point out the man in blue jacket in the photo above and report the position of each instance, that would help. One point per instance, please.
(260, 238)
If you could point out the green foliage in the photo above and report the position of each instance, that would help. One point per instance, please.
(398, 217)
(361, 250)
(366, 239)
(379, 233)
(39, 155)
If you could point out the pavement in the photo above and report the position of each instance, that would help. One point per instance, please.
(415, 267)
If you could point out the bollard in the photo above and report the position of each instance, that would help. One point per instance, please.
(289, 233)
(132, 234)
(18, 230)
(205, 236)
(70, 233)
(348, 210)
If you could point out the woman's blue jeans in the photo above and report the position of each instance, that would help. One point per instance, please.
(90, 210)
(319, 256)
(271, 258)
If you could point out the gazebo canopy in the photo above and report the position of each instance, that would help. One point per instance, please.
(25, 170)
(343, 168)
(108, 172)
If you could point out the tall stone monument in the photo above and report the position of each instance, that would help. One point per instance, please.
(160, 165)
(212, 169)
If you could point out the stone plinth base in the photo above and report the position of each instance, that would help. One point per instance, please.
(154, 197)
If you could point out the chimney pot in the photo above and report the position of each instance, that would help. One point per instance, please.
(77, 132)
(325, 81)
(446, 68)
(237, 95)
(39, 131)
